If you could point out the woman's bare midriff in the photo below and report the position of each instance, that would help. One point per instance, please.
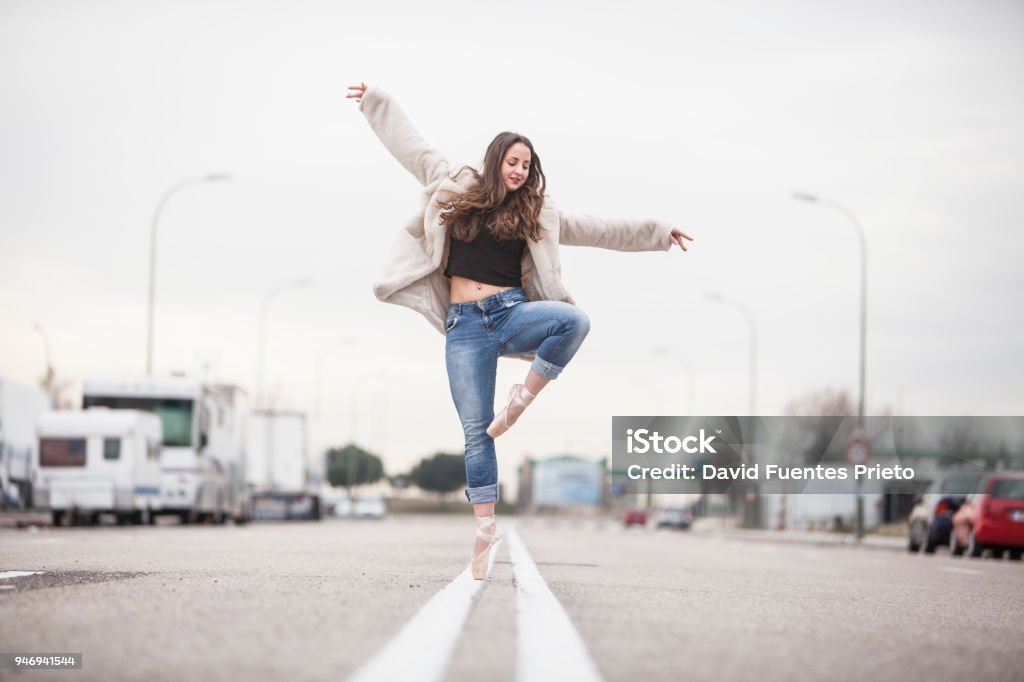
(465, 290)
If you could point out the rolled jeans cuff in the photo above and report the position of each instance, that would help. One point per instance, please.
(485, 493)
(545, 368)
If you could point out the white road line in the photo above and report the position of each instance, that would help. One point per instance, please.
(422, 648)
(965, 571)
(17, 574)
(550, 648)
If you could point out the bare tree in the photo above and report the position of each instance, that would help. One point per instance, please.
(824, 411)
(56, 388)
(825, 402)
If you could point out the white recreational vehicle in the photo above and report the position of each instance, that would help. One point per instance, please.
(283, 481)
(99, 461)
(202, 461)
(20, 406)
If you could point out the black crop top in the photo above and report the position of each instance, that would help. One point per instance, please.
(486, 258)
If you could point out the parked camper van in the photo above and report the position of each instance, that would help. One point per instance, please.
(99, 461)
(202, 461)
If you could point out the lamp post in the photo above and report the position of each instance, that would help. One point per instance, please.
(213, 177)
(752, 323)
(863, 285)
(750, 510)
(261, 336)
(813, 199)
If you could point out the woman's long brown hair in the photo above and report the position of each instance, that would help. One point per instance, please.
(516, 214)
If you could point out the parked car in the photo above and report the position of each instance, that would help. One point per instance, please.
(931, 519)
(635, 517)
(336, 502)
(342, 507)
(370, 507)
(674, 518)
(991, 518)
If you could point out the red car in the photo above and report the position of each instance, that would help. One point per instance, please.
(636, 517)
(992, 518)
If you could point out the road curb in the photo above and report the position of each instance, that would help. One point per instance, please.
(784, 537)
(24, 519)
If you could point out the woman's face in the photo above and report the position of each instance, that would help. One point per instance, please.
(515, 167)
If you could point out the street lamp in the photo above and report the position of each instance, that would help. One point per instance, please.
(752, 323)
(212, 177)
(261, 336)
(751, 512)
(811, 198)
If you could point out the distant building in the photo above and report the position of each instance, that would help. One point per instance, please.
(560, 482)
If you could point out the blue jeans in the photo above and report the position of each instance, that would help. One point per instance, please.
(480, 332)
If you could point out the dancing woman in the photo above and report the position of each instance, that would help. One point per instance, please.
(480, 262)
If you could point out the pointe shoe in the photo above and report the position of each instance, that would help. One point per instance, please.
(487, 530)
(519, 398)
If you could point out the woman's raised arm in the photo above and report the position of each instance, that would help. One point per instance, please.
(398, 134)
(620, 235)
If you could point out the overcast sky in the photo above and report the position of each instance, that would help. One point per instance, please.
(708, 115)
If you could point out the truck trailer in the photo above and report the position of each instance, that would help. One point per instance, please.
(20, 406)
(283, 482)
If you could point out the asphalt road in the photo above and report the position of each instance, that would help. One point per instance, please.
(318, 601)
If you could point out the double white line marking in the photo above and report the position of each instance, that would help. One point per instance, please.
(549, 645)
(550, 648)
(7, 575)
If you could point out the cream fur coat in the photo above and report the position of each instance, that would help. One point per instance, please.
(414, 275)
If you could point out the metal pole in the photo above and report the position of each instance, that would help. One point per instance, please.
(862, 239)
(752, 326)
(750, 512)
(213, 177)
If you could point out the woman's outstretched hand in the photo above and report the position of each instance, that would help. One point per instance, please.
(678, 237)
(356, 91)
